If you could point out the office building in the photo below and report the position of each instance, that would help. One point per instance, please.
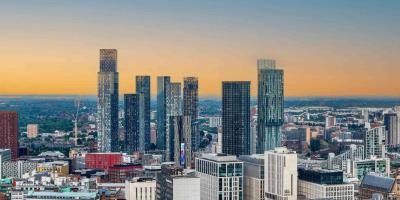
(253, 176)
(32, 130)
(173, 183)
(140, 189)
(5, 155)
(280, 174)
(107, 102)
(236, 117)
(119, 173)
(215, 122)
(392, 127)
(375, 142)
(359, 168)
(163, 84)
(102, 160)
(17, 168)
(323, 184)
(190, 107)
(135, 135)
(143, 87)
(180, 150)
(330, 121)
(270, 105)
(9, 132)
(221, 176)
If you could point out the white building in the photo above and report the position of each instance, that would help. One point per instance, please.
(215, 121)
(323, 191)
(253, 176)
(186, 187)
(375, 142)
(140, 189)
(221, 177)
(32, 130)
(5, 155)
(281, 174)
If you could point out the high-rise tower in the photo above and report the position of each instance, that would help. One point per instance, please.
(143, 87)
(107, 102)
(163, 84)
(270, 105)
(9, 132)
(236, 117)
(190, 106)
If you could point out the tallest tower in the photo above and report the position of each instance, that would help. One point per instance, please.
(270, 105)
(107, 102)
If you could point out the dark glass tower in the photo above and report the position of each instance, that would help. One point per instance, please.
(107, 102)
(163, 84)
(236, 117)
(180, 140)
(190, 106)
(143, 87)
(131, 125)
(270, 105)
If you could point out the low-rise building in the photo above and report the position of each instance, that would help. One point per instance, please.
(253, 176)
(140, 189)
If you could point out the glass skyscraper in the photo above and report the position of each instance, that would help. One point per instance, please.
(236, 117)
(143, 87)
(107, 102)
(134, 115)
(163, 84)
(190, 106)
(270, 105)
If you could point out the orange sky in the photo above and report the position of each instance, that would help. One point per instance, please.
(52, 51)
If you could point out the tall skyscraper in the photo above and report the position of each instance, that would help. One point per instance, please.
(9, 132)
(270, 105)
(107, 102)
(143, 87)
(190, 106)
(174, 108)
(163, 84)
(135, 139)
(236, 117)
(280, 174)
(180, 150)
(392, 125)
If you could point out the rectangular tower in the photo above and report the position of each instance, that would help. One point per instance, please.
(270, 105)
(107, 102)
(190, 106)
(163, 84)
(9, 132)
(180, 140)
(236, 117)
(134, 122)
(143, 87)
(392, 126)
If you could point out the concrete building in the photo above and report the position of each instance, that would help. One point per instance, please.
(173, 183)
(375, 142)
(107, 102)
(392, 126)
(61, 168)
(236, 117)
(281, 174)
(5, 155)
(323, 184)
(359, 168)
(221, 177)
(253, 176)
(9, 132)
(215, 122)
(140, 189)
(17, 168)
(270, 105)
(32, 130)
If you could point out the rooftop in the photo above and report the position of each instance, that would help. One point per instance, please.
(220, 157)
(377, 183)
(90, 195)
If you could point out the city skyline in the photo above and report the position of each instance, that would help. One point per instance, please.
(347, 41)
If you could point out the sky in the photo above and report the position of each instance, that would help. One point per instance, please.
(326, 47)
